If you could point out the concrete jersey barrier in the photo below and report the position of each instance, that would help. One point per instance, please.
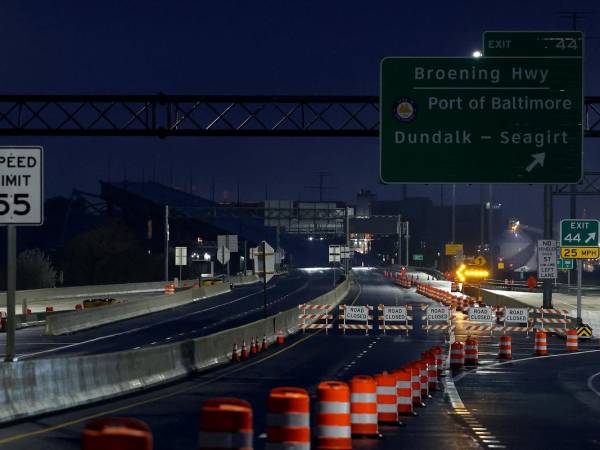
(88, 318)
(34, 296)
(43, 385)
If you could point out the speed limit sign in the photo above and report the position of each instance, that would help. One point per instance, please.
(21, 186)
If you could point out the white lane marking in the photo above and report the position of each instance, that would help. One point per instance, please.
(513, 361)
(590, 384)
(134, 330)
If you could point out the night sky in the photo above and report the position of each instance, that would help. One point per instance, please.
(261, 47)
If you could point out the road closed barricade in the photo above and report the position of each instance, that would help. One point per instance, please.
(551, 320)
(481, 319)
(395, 318)
(312, 317)
(356, 318)
(515, 320)
(437, 318)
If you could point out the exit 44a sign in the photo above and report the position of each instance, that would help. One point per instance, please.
(579, 233)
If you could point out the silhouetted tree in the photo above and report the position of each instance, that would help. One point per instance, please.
(109, 254)
(34, 270)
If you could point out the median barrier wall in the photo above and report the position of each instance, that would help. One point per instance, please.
(36, 296)
(43, 385)
(88, 318)
(494, 299)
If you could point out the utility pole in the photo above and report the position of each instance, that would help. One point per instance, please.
(399, 227)
(453, 213)
(321, 187)
(491, 230)
(481, 217)
(407, 245)
(167, 243)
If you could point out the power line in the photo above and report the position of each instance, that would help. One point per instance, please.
(321, 187)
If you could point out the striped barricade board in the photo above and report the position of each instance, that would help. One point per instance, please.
(551, 320)
(312, 314)
(356, 318)
(395, 318)
(437, 317)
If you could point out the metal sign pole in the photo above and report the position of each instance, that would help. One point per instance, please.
(167, 243)
(547, 286)
(11, 286)
(579, 277)
(264, 256)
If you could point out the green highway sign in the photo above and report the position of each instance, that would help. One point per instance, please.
(481, 120)
(565, 264)
(533, 43)
(579, 233)
(417, 257)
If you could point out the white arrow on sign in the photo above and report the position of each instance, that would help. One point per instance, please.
(538, 158)
(223, 254)
(591, 237)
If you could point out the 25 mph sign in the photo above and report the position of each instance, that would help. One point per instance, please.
(21, 186)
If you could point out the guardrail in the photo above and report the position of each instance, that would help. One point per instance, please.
(40, 386)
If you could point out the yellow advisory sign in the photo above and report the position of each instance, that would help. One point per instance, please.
(453, 249)
(579, 252)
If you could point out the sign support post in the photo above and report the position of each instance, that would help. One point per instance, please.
(22, 201)
(167, 243)
(264, 257)
(11, 287)
(547, 295)
(579, 277)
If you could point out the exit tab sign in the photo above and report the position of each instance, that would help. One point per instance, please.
(533, 43)
(579, 233)
(481, 120)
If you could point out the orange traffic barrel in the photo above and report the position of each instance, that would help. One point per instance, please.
(457, 355)
(471, 352)
(49, 308)
(225, 423)
(415, 381)
(118, 433)
(288, 419)
(78, 306)
(363, 406)
(265, 343)
(280, 337)
(333, 417)
(423, 377)
(439, 363)
(572, 340)
(245, 354)
(431, 370)
(235, 356)
(387, 410)
(404, 402)
(505, 347)
(540, 346)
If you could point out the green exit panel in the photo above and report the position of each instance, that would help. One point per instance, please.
(481, 120)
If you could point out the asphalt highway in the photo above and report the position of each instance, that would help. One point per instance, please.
(242, 305)
(304, 361)
(532, 402)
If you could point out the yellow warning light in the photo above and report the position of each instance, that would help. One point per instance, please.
(463, 273)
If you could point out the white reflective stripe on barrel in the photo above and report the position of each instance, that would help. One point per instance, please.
(403, 384)
(363, 398)
(334, 407)
(386, 407)
(287, 446)
(386, 390)
(216, 439)
(403, 400)
(288, 420)
(332, 431)
(363, 418)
